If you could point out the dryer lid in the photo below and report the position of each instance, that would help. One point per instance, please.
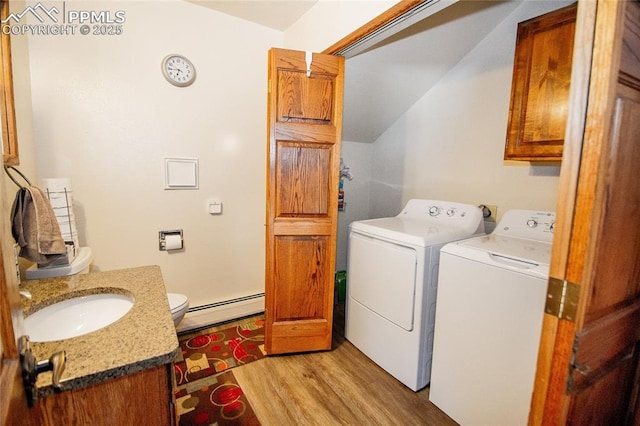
(425, 222)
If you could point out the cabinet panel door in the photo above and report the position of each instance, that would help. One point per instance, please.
(540, 87)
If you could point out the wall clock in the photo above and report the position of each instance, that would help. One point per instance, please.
(178, 70)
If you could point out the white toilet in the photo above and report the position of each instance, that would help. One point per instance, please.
(80, 265)
(179, 304)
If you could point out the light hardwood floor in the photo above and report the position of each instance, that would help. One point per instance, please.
(337, 387)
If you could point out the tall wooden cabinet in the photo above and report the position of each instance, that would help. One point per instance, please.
(540, 86)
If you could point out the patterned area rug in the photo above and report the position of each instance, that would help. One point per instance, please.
(206, 393)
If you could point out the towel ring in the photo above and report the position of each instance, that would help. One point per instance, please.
(6, 170)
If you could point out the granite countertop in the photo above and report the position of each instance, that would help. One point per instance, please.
(143, 338)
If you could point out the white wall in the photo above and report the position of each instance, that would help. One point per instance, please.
(450, 144)
(22, 95)
(97, 109)
(358, 157)
(328, 21)
(105, 117)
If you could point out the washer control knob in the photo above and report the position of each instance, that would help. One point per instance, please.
(434, 211)
(451, 212)
(532, 223)
(552, 227)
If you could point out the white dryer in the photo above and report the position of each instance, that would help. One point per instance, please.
(392, 280)
(491, 302)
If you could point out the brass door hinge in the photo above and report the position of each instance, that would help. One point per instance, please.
(562, 299)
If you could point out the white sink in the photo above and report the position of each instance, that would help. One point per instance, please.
(75, 317)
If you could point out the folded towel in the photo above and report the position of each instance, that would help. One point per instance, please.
(35, 227)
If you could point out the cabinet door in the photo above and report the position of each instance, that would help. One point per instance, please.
(540, 87)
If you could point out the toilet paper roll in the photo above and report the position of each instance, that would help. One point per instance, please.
(173, 242)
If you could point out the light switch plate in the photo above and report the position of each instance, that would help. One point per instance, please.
(214, 207)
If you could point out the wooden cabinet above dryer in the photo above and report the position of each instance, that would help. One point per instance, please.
(540, 86)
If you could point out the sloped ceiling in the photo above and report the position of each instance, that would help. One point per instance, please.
(384, 81)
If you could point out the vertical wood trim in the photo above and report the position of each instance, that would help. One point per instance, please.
(270, 187)
(7, 108)
(567, 190)
(13, 401)
(9, 294)
(588, 210)
(579, 210)
(568, 183)
(588, 202)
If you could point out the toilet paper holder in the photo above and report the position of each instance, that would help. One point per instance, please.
(162, 237)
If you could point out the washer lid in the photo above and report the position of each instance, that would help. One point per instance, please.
(529, 257)
(520, 249)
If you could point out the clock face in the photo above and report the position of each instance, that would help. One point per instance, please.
(178, 70)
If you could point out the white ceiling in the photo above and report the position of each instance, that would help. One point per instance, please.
(386, 79)
(276, 14)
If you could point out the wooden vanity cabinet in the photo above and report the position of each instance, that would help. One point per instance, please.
(540, 86)
(142, 398)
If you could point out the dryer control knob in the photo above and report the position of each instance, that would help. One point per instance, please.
(451, 212)
(434, 211)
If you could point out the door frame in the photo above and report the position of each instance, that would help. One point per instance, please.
(573, 161)
(403, 10)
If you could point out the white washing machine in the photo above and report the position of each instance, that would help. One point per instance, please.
(392, 279)
(490, 305)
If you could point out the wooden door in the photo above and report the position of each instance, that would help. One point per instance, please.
(304, 133)
(588, 361)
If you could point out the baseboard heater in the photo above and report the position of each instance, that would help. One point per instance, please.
(219, 312)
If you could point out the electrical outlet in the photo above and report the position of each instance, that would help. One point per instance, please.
(490, 212)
